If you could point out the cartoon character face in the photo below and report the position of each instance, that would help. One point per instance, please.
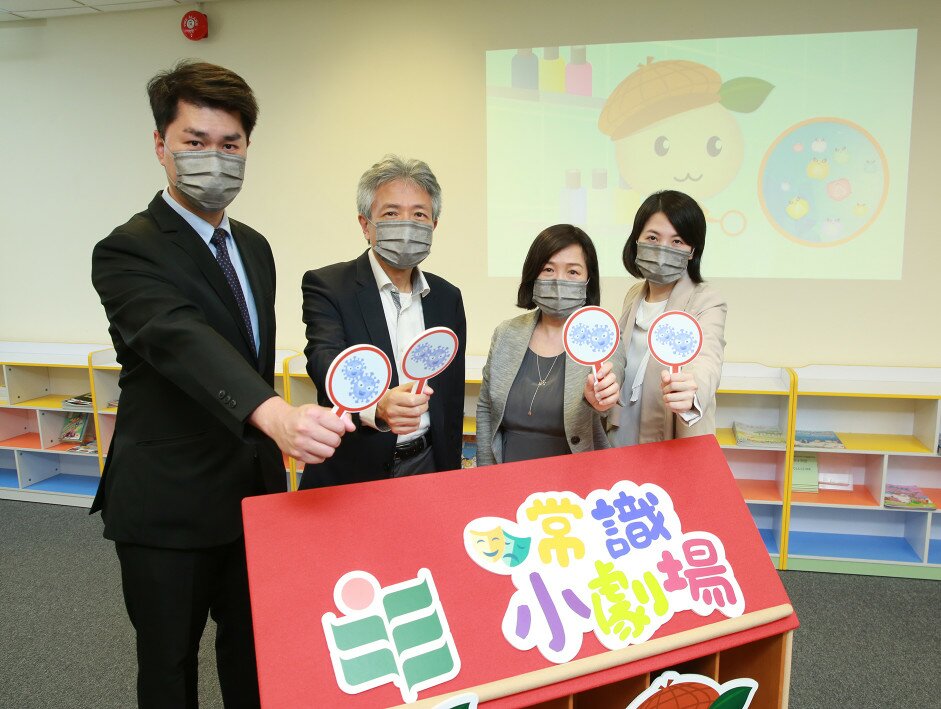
(860, 209)
(489, 546)
(819, 145)
(818, 169)
(797, 208)
(698, 152)
(683, 343)
(517, 549)
(841, 155)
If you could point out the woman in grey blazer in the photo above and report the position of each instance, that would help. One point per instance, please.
(665, 249)
(534, 400)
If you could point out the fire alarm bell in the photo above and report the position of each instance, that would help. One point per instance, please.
(195, 25)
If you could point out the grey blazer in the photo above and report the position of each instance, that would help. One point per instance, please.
(583, 427)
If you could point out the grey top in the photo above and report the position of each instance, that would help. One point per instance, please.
(583, 429)
(533, 421)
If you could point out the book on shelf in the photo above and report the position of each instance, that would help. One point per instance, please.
(804, 473)
(750, 436)
(907, 497)
(90, 447)
(469, 454)
(835, 481)
(817, 439)
(113, 404)
(82, 402)
(74, 427)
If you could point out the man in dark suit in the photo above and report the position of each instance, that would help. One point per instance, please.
(384, 299)
(189, 295)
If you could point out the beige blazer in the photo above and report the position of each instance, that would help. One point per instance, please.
(583, 427)
(702, 301)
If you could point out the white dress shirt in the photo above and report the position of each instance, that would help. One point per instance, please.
(404, 323)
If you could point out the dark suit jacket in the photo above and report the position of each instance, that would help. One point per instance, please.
(182, 456)
(342, 308)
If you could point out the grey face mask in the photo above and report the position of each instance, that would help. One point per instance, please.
(559, 298)
(403, 244)
(210, 179)
(661, 264)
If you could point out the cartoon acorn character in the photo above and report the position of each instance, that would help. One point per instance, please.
(672, 126)
(696, 695)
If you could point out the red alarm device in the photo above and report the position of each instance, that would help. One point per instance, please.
(195, 25)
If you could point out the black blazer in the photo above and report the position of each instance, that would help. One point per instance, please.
(182, 456)
(342, 308)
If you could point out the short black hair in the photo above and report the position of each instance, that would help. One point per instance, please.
(687, 218)
(201, 84)
(549, 242)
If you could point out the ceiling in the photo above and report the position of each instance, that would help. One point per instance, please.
(13, 10)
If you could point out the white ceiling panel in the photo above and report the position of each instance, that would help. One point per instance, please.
(38, 14)
(142, 5)
(36, 9)
(33, 5)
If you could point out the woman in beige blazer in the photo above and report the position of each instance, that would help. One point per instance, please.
(534, 400)
(665, 248)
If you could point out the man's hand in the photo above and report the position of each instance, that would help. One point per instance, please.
(308, 433)
(602, 393)
(401, 409)
(679, 390)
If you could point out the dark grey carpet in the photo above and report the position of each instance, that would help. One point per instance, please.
(65, 640)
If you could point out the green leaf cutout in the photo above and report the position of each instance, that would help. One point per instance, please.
(744, 94)
(733, 699)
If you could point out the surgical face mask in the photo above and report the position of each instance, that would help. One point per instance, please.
(209, 178)
(403, 244)
(661, 264)
(559, 298)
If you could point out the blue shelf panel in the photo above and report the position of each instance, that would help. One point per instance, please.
(851, 546)
(8, 478)
(771, 544)
(934, 551)
(70, 484)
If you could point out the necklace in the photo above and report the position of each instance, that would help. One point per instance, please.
(542, 380)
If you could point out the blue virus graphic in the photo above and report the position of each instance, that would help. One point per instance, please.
(353, 367)
(600, 338)
(580, 334)
(683, 343)
(430, 356)
(364, 387)
(664, 334)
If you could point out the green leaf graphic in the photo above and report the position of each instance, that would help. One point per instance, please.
(733, 699)
(744, 94)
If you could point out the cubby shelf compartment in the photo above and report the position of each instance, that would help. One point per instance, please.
(888, 421)
(34, 465)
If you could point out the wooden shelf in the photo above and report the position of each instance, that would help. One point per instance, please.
(858, 497)
(49, 401)
(759, 490)
(26, 440)
(470, 425)
(873, 443)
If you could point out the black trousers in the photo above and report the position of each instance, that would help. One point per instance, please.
(168, 594)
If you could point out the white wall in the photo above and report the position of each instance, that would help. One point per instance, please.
(340, 83)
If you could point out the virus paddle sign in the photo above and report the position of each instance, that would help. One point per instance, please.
(674, 339)
(591, 335)
(358, 378)
(428, 355)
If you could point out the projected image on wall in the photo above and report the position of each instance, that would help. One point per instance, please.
(795, 146)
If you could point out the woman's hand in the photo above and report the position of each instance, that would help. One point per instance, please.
(603, 393)
(679, 390)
